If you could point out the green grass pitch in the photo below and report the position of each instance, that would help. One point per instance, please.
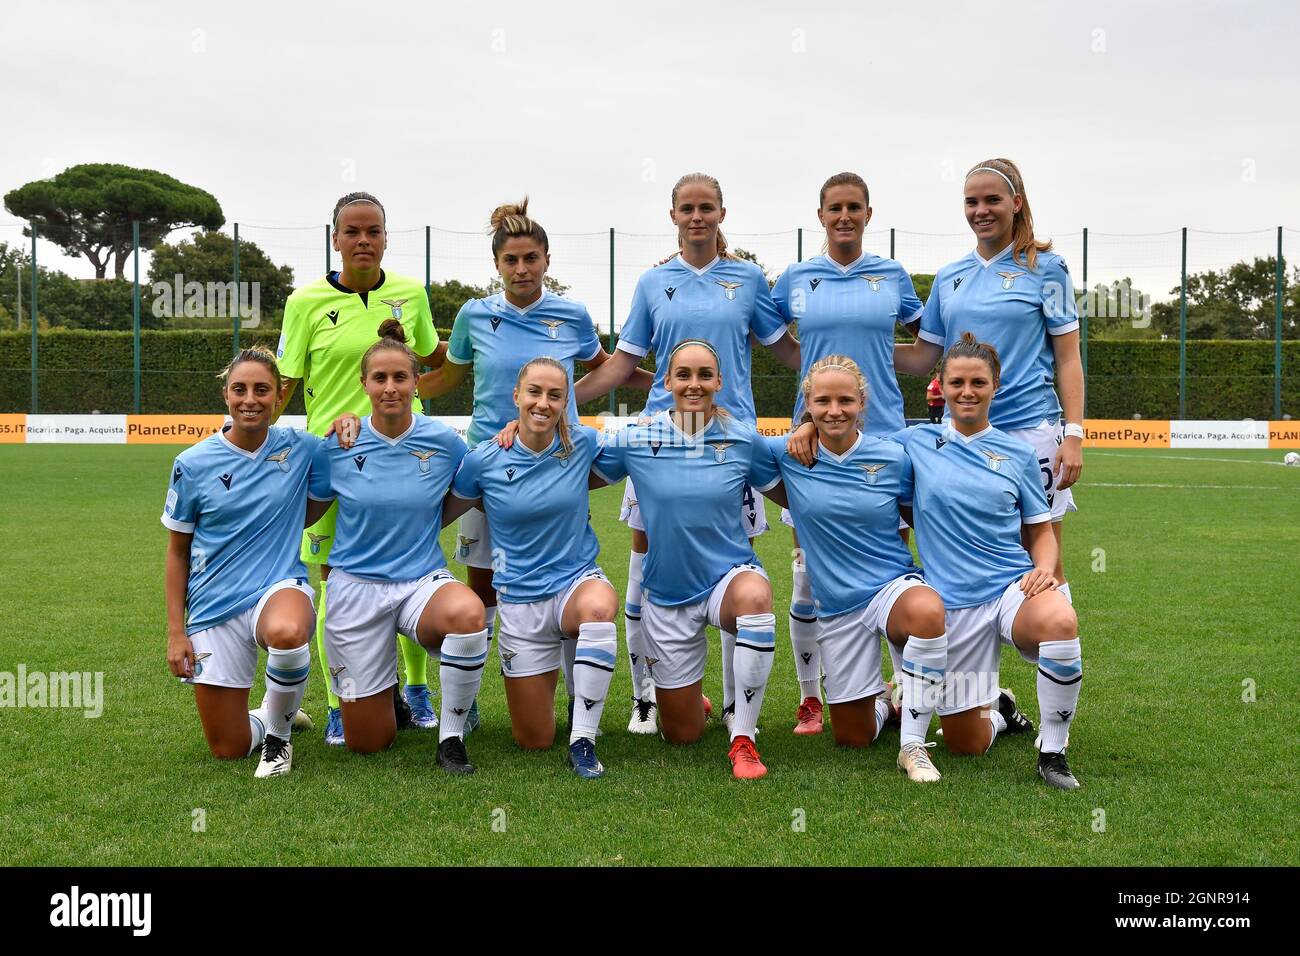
(1193, 615)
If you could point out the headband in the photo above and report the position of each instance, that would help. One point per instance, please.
(998, 172)
(351, 201)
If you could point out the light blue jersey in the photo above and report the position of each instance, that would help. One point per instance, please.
(722, 303)
(851, 310)
(689, 489)
(845, 511)
(499, 339)
(390, 493)
(971, 497)
(246, 511)
(1016, 311)
(537, 507)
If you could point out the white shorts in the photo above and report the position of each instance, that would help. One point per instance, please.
(850, 644)
(228, 650)
(752, 516)
(676, 646)
(1045, 438)
(531, 635)
(975, 638)
(473, 540)
(360, 621)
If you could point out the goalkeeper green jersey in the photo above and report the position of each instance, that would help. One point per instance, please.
(327, 329)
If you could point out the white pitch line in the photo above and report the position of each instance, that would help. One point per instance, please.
(1118, 484)
(1243, 461)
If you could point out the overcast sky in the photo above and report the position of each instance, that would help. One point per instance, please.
(1124, 117)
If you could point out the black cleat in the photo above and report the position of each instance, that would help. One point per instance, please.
(1017, 723)
(401, 709)
(1054, 769)
(452, 757)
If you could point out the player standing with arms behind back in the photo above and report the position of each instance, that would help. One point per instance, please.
(847, 302)
(328, 326)
(1012, 292)
(702, 292)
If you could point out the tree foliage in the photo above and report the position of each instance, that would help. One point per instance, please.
(88, 210)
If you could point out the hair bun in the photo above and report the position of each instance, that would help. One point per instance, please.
(392, 329)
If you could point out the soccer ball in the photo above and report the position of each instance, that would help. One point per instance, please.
(1291, 459)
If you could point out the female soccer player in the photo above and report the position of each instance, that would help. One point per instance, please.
(1012, 292)
(235, 581)
(864, 584)
(691, 464)
(496, 337)
(977, 496)
(328, 326)
(552, 594)
(389, 570)
(704, 292)
(848, 302)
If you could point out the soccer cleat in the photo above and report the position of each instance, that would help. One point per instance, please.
(914, 760)
(301, 721)
(452, 757)
(472, 721)
(277, 757)
(1017, 723)
(417, 699)
(1051, 767)
(745, 763)
(809, 717)
(582, 758)
(334, 728)
(643, 717)
(401, 710)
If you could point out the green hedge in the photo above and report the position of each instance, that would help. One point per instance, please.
(83, 371)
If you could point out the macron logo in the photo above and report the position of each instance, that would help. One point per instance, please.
(75, 909)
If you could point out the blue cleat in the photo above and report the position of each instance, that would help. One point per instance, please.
(582, 758)
(471, 719)
(334, 728)
(417, 698)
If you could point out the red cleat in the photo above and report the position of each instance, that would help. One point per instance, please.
(708, 707)
(809, 716)
(745, 763)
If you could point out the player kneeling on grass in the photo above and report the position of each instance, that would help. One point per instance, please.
(533, 489)
(691, 464)
(864, 584)
(977, 491)
(235, 581)
(389, 570)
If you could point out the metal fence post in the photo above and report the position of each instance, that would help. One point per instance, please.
(235, 324)
(1083, 323)
(1277, 328)
(135, 314)
(1182, 335)
(35, 343)
(613, 336)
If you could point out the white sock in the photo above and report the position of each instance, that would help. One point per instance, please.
(755, 648)
(286, 682)
(257, 728)
(728, 671)
(1060, 674)
(1065, 589)
(597, 651)
(460, 672)
(632, 625)
(882, 713)
(568, 651)
(803, 637)
(924, 662)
